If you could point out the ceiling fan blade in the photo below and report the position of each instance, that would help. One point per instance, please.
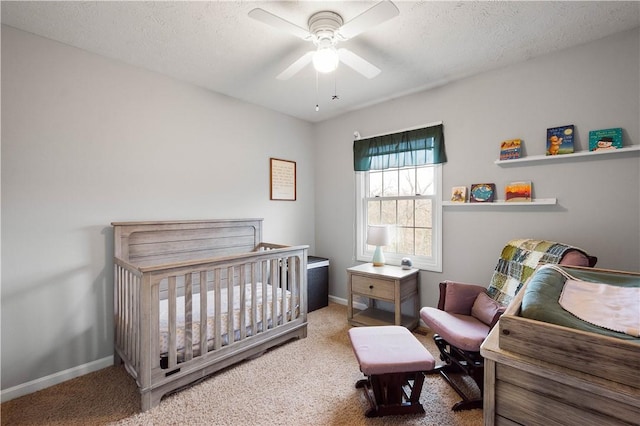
(357, 63)
(279, 23)
(297, 66)
(371, 17)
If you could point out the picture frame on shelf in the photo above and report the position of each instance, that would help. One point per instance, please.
(517, 192)
(510, 149)
(560, 140)
(482, 193)
(605, 139)
(459, 194)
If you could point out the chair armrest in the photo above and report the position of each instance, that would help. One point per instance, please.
(458, 298)
(577, 257)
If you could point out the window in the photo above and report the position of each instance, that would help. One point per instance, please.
(399, 183)
(408, 200)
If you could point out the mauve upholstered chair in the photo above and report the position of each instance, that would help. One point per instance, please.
(467, 312)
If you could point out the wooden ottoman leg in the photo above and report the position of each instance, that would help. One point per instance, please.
(387, 396)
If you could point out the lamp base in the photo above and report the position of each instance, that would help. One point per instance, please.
(378, 257)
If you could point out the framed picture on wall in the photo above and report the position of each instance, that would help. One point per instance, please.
(282, 179)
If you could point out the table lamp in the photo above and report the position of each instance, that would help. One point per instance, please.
(378, 235)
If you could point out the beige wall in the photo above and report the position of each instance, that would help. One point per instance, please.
(594, 86)
(87, 141)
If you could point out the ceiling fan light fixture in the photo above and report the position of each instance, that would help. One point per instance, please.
(326, 59)
(325, 30)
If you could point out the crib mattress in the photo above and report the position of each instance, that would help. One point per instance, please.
(224, 316)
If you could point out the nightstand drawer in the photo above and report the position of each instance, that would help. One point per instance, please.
(373, 287)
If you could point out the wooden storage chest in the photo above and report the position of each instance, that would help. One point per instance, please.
(542, 373)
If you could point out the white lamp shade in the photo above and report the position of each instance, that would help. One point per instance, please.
(378, 235)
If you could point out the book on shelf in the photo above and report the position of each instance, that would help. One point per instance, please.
(510, 149)
(517, 192)
(482, 193)
(560, 140)
(605, 139)
(459, 194)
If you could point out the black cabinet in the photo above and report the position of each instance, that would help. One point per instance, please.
(317, 282)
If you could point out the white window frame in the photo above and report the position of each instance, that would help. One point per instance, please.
(432, 263)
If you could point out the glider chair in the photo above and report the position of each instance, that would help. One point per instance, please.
(467, 312)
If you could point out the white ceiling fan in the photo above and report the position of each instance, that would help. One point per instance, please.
(326, 29)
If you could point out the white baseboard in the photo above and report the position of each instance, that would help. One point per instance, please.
(341, 301)
(54, 379)
(338, 300)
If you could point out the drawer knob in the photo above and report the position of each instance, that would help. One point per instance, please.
(370, 287)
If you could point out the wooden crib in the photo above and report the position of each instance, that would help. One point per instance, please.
(167, 335)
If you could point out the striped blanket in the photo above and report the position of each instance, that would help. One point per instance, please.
(518, 260)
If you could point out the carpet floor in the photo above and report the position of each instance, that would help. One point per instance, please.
(303, 382)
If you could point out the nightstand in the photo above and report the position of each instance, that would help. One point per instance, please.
(386, 283)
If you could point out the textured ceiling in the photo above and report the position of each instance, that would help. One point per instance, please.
(217, 46)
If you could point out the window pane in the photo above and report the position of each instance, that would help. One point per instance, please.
(390, 179)
(389, 208)
(423, 213)
(425, 178)
(373, 212)
(375, 184)
(405, 240)
(407, 181)
(405, 213)
(424, 242)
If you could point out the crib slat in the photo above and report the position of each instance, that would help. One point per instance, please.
(230, 315)
(264, 279)
(243, 302)
(291, 286)
(217, 309)
(129, 310)
(274, 292)
(294, 272)
(203, 312)
(283, 286)
(188, 319)
(117, 307)
(123, 313)
(171, 301)
(254, 299)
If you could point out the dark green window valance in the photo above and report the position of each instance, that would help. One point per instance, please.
(410, 148)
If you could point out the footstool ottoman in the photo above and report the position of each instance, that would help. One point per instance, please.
(392, 359)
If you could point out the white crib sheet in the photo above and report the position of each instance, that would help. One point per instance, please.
(224, 317)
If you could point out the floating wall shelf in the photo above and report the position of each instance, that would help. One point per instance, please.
(568, 157)
(502, 203)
